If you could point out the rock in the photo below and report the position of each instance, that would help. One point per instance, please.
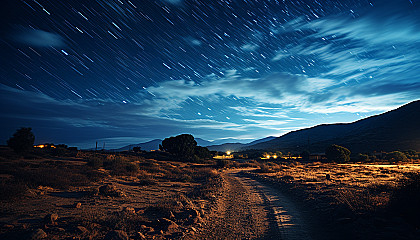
(81, 230)
(107, 189)
(140, 235)
(145, 228)
(51, 218)
(38, 234)
(129, 210)
(78, 205)
(116, 235)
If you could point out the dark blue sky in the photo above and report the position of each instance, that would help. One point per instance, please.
(123, 72)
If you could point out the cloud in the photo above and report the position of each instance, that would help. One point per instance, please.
(38, 38)
(174, 2)
(276, 88)
(249, 47)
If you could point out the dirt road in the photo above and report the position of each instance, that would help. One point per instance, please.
(248, 209)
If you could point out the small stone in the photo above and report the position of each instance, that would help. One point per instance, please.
(38, 234)
(116, 235)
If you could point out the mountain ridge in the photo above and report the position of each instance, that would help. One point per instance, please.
(397, 129)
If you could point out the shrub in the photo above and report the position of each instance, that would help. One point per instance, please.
(337, 153)
(396, 156)
(119, 165)
(222, 163)
(95, 162)
(363, 157)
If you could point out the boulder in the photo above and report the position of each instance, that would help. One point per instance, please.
(110, 190)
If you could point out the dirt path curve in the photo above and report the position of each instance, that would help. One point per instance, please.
(248, 209)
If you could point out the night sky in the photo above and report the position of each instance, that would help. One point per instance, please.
(123, 72)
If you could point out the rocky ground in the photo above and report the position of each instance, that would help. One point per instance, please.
(126, 197)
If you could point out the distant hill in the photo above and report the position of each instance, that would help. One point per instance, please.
(236, 146)
(226, 147)
(154, 145)
(398, 129)
(147, 146)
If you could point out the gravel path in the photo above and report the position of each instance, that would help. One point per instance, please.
(248, 209)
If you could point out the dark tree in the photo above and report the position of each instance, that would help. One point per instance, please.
(202, 152)
(22, 140)
(182, 146)
(136, 149)
(337, 153)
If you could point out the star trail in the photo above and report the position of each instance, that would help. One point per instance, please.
(123, 72)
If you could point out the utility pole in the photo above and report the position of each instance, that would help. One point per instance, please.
(96, 147)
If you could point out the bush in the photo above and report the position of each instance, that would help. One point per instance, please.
(22, 140)
(119, 165)
(396, 156)
(222, 163)
(337, 153)
(363, 157)
(95, 162)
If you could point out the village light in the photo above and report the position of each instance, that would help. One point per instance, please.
(228, 152)
(275, 156)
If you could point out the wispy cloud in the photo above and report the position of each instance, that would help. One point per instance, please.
(38, 38)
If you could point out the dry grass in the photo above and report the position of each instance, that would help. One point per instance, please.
(361, 187)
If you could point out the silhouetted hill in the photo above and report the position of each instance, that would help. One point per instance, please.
(226, 147)
(236, 146)
(147, 146)
(398, 129)
(154, 145)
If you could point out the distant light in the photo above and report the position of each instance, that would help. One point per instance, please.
(228, 152)
(275, 156)
(268, 156)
